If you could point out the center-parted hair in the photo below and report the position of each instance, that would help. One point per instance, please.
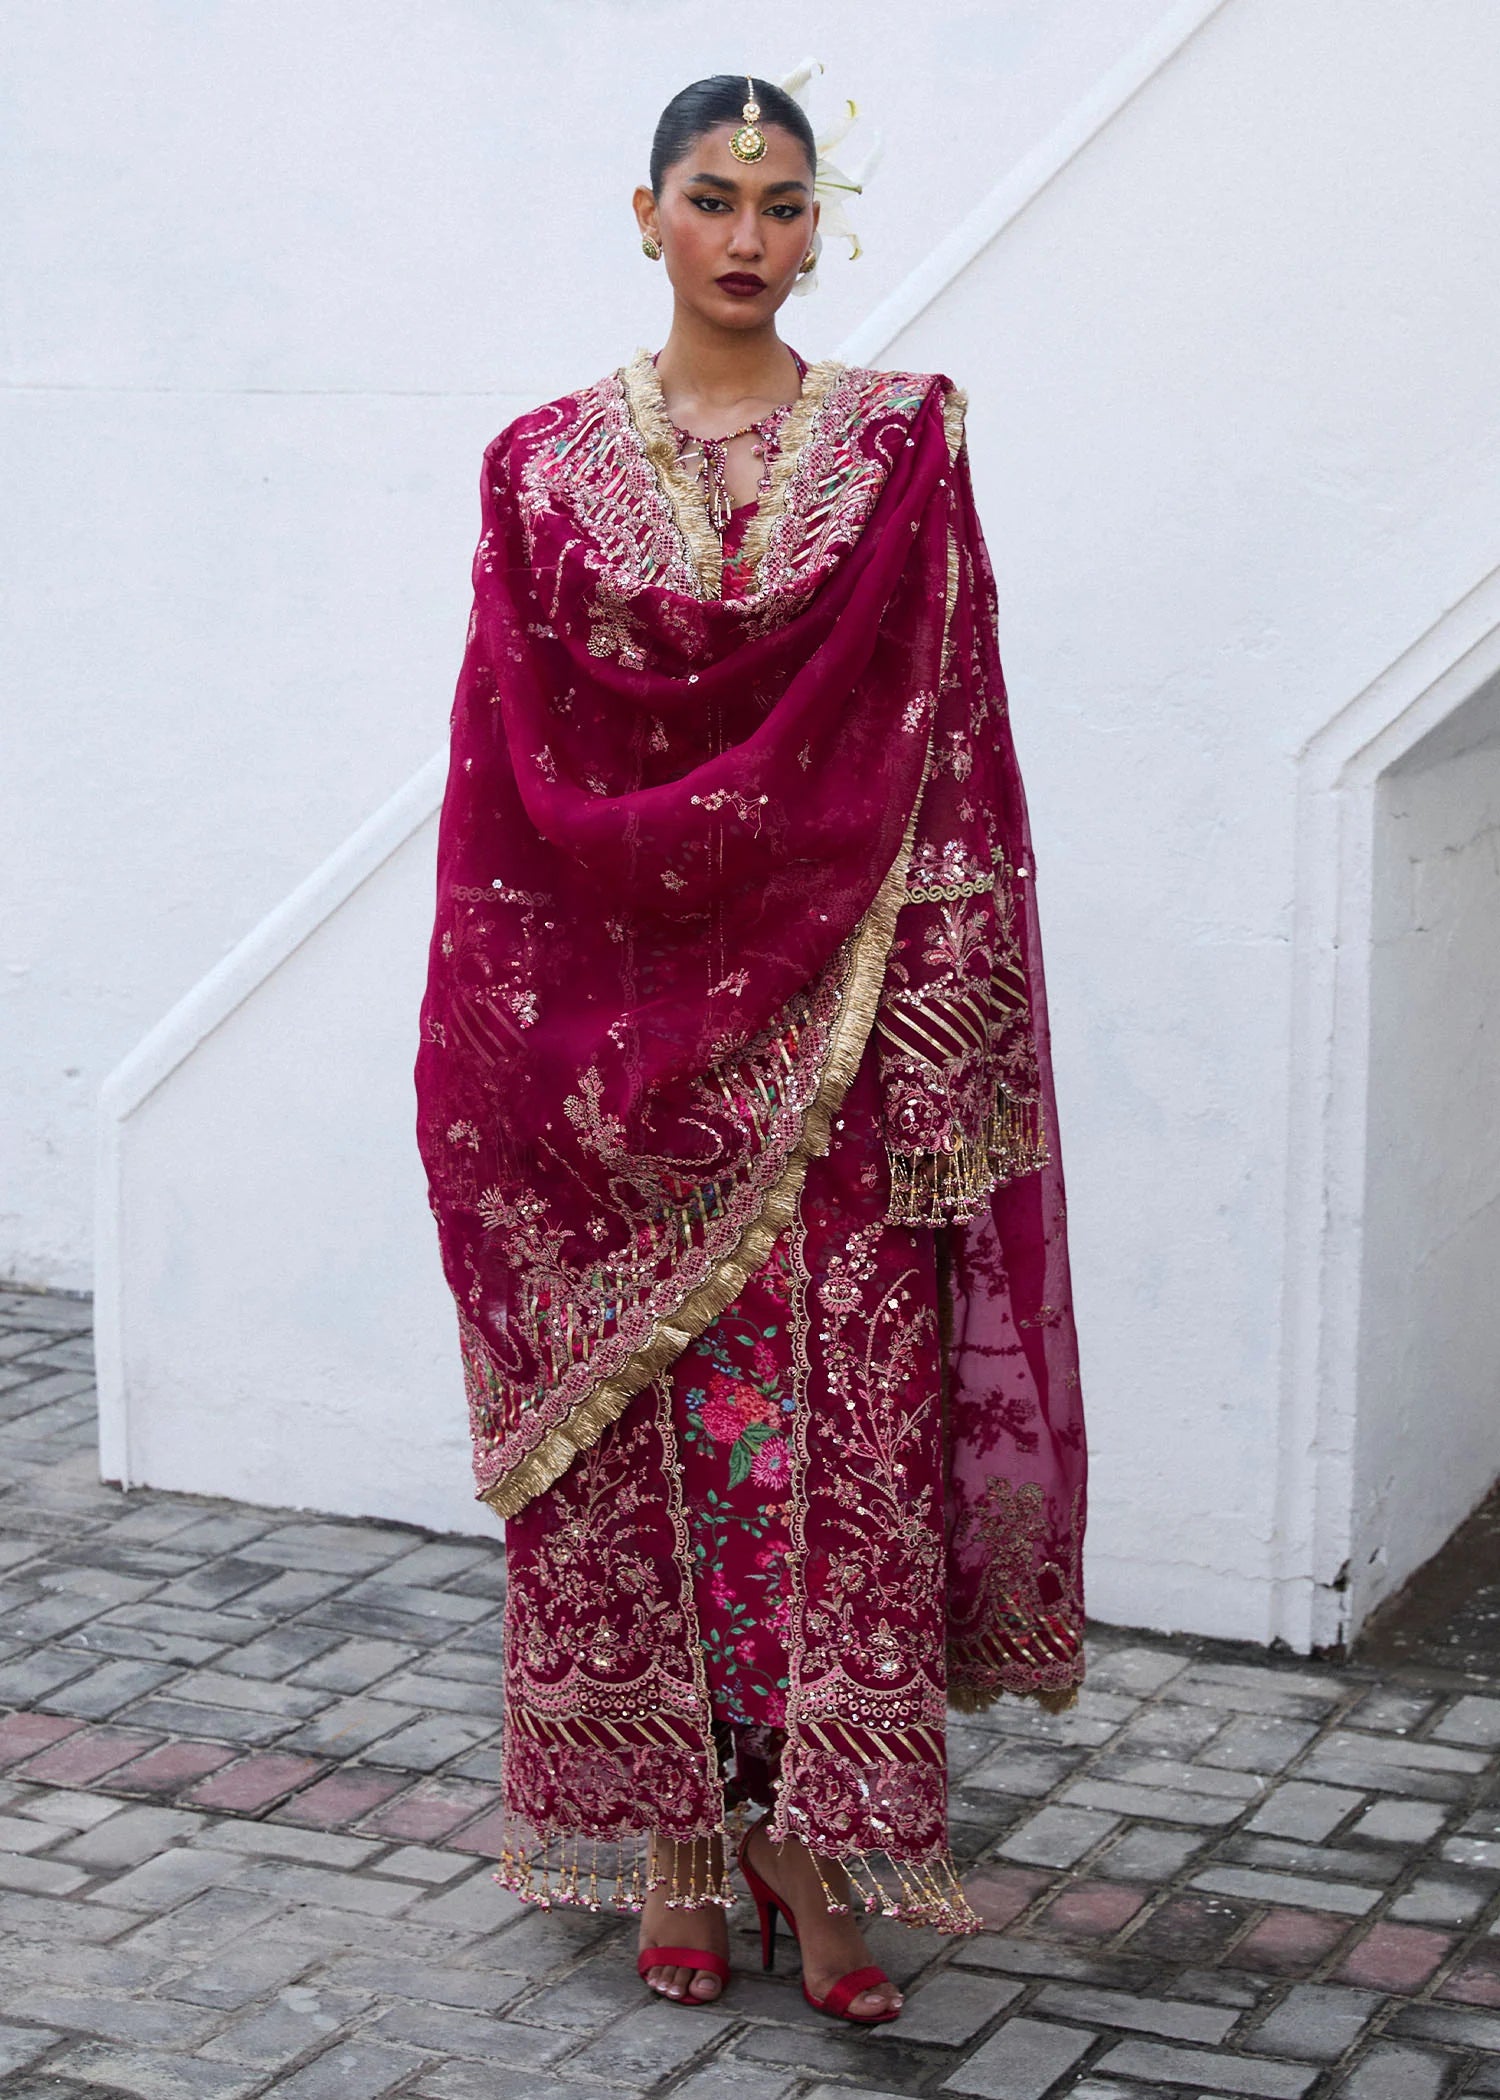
(720, 99)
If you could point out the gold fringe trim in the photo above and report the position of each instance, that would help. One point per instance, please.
(955, 408)
(596, 1874)
(798, 428)
(945, 1188)
(671, 1334)
(683, 488)
(971, 1699)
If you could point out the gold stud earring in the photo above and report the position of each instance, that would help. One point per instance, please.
(650, 249)
(808, 263)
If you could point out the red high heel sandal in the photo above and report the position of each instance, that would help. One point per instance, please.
(683, 1958)
(836, 2004)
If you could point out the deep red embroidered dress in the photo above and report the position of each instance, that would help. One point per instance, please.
(736, 1104)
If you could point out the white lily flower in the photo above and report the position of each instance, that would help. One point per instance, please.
(831, 183)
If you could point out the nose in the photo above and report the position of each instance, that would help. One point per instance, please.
(745, 243)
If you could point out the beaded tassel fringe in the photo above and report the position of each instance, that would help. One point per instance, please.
(944, 1188)
(607, 1873)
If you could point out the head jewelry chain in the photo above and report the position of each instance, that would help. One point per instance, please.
(749, 142)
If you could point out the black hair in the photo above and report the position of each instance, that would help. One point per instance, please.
(721, 100)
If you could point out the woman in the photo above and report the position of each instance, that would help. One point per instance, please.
(736, 1106)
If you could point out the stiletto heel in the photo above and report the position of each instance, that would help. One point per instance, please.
(768, 1907)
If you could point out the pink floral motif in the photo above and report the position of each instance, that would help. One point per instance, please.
(772, 1464)
(723, 1421)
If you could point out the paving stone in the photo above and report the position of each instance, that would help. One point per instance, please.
(160, 1883)
(244, 1971)
(128, 1837)
(207, 1923)
(283, 1649)
(1437, 1899)
(332, 1548)
(1483, 1853)
(953, 2006)
(152, 2022)
(343, 1797)
(425, 1864)
(169, 1768)
(1146, 1854)
(253, 1783)
(1327, 1862)
(1159, 2062)
(32, 1676)
(1137, 1671)
(1387, 2071)
(224, 1724)
(293, 1590)
(430, 1742)
(598, 1992)
(351, 1726)
(1163, 2016)
(150, 2075)
(1020, 2061)
(1188, 1927)
(1258, 1743)
(201, 1624)
(45, 1877)
(1397, 1822)
(1319, 2021)
(452, 1695)
(477, 1989)
(1470, 1720)
(649, 2045)
(1346, 1768)
(473, 2081)
(1394, 1957)
(1058, 1837)
(1215, 1987)
(276, 1841)
(1299, 1809)
(431, 1810)
(1436, 2023)
(58, 1918)
(63, 1807)
(111, 1636)
(23, 2045)
(254, 1695)
(1476, 1979)
(1257, 1887)
(1288, 1942)
(353, 2071)
(297, 2019)
(1021, 1770)
(451, 2032)
(23, 1734)
(353, 1665)
(219, 1582)
(724, 2079)
(1164, 1804)
(486, 1835)
(293, 1883)
(1026, 1957)
(24, 1834)
(1091, 1910)
(85, 1756)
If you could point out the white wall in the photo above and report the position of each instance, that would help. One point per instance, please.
(274, 274)
(1237, 439)
(1428, 1441)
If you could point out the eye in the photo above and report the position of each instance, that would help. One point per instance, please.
(714, 204)
(787, 211)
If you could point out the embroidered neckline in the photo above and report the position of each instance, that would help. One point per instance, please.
(683, 489)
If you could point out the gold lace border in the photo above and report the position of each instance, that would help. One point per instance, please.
(671, 1333)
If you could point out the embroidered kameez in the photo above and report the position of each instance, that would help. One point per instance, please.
(838, 1484)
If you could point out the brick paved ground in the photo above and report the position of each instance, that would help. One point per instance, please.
(247, 1804)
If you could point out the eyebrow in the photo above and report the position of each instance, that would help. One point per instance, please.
(772, 189)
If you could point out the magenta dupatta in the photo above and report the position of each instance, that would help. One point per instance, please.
(698, 858)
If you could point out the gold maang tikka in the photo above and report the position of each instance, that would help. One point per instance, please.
(749, 142)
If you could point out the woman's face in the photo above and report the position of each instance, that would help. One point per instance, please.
(733, 233)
